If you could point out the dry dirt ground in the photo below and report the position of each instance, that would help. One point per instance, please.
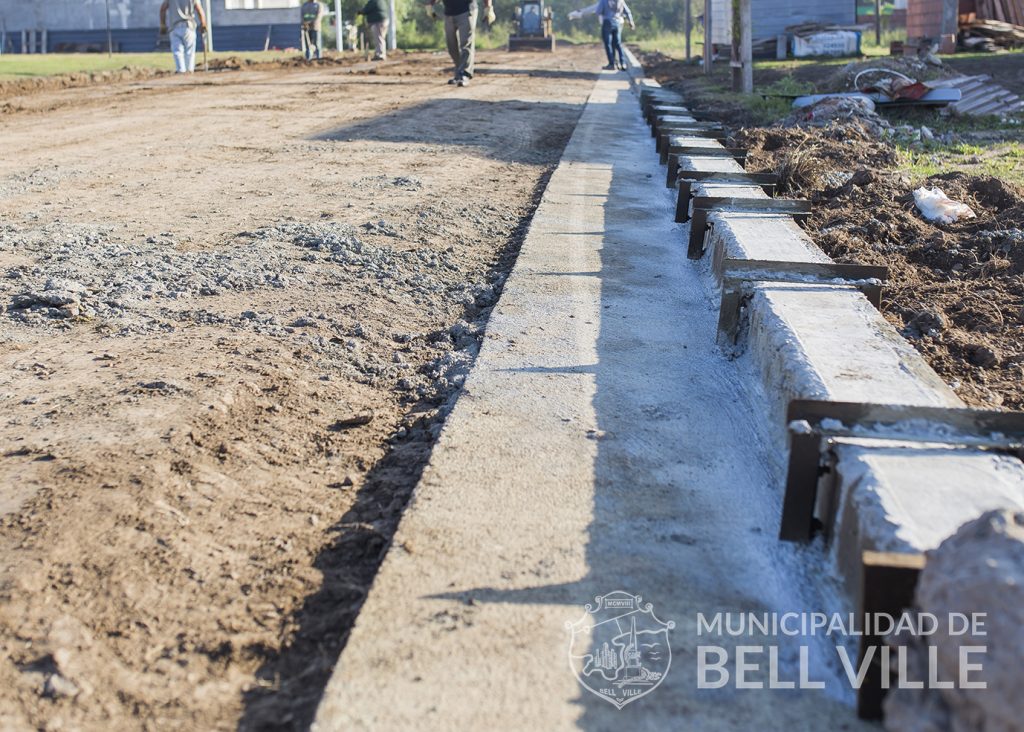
(234, 310)
(956, 291)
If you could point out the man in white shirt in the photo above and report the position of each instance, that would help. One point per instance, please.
(185, 15)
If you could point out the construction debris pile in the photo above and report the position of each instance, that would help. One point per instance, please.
(840, 110)
(909, 80)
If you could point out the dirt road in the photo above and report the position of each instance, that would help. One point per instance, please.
(234, 311)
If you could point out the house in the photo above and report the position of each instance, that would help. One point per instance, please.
(770, 18)
(75, 25)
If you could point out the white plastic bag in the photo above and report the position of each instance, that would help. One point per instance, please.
(935, 205)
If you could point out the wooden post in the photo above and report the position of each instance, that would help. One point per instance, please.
(746, 47)
(707, 37)
(110, 37)
(208, 40)
(689, 27)
(392, 27)
(735, 56)
(741, 58)
(878, 22)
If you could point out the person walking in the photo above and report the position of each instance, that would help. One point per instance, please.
(376, 14)
(460, 33)
(611, 13)
(185, 15)
(313, 13)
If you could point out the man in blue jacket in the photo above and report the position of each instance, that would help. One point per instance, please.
(611, 14)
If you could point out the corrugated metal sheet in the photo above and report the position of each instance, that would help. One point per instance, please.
(771, 17)
(981, 96)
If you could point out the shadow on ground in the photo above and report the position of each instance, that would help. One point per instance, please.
(506, 130)
(541, 73)
(293, 681)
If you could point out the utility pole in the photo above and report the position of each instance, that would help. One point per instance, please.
(689, 26)
(707, 37)
(339, 26)
(746, 47)
(741, 59)
(878, 22)
(393, 28)
(209, 28)
(110, 38)
(735, 64)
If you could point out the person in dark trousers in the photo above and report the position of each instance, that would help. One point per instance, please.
(611, 13)
(460, 33)
(376, 14)
(313, 12)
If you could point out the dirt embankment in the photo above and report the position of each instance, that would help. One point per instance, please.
(956, 290)
(10, 89)
(224, 359)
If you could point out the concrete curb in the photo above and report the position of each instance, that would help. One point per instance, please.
(602, 442)
(828, 343)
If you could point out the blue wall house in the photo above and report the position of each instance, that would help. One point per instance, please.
(769, 18)
(79, 25)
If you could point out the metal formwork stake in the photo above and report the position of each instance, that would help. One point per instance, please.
(710, 130)
(813, 424)
(703, 205)
(888, 583)
(739, 274)
(686, 178)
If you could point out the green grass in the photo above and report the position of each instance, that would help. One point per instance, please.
(18, 66)
(940, 124)
(671, 44)
(775, 101)
(1003, 160)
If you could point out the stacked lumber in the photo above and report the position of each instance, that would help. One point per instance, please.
(987, 35)
(1004, 11)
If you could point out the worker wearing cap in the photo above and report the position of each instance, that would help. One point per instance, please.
(375, 12)
(182, 17)
(312, 22)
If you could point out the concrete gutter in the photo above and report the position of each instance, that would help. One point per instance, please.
(602, 442)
